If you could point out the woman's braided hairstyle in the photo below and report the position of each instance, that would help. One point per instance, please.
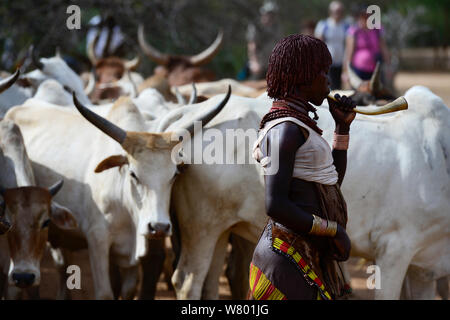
(295, 60)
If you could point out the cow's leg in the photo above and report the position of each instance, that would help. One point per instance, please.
(130, 280)
(115, 278)
(152, 266)
(195, 259)
(4, 265)
(3, 284)
(238, 266)
(442, 287)
(393, 264)
(211, 285)
(98, 247)
(416, 287)
(62, 259)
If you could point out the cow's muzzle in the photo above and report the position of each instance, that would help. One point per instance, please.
(23, 280)
(158, 230)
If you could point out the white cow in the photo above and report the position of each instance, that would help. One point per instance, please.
(128, 197)
(212, 88)
(396, 187)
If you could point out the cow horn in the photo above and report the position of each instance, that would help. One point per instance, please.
(210, 115)
(206, 55)
(104, 125)
(355, 81)
(132, 64)
(38, 64)
(56, 187)
(151, 52)
(9, 81)
(58, 52)
(91, 83)
(91, 50)
(193, 98)
(134, 94)
(180, 98)
(375, 84)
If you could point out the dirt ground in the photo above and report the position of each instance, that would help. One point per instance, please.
(439, 83)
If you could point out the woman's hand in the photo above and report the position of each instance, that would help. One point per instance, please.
(342, 244)
(342, 112)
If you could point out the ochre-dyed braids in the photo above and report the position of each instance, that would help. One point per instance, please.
(295, 60)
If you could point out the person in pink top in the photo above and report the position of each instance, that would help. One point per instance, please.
(364, 48)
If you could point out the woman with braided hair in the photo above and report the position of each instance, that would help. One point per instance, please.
(296, 256)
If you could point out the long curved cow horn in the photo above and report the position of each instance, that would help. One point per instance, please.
(206, 55)
(56, 187)
(375, 84)
(180, 98)
(104, 125)
(193, 98)
(211, 114)
(91, 83)
(355, 81)
(132, 64)
(38, 64)
(91, 50)
(9, 81)
(151, 52)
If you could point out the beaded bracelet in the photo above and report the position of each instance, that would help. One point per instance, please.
(322, 227)
(340, 141)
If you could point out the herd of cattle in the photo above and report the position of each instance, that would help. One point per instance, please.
(86, 163)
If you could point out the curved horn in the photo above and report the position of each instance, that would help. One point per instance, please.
(104, 125)
(91, 83)
(38, 64)
(193, 98)
(58, 52)
(132, 64)
(56, 187)
(206, 55)
(91, 50)
(134, 89)
(152, 53)
(398, 104)
(211, 114)
(9, 81)
(355, 81)
(375, 84)
(180, 98)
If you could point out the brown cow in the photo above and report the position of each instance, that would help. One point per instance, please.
(182, 69)
(112, 76)
(31, 211)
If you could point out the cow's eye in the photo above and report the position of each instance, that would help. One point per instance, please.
(134, 176)
(45, 224)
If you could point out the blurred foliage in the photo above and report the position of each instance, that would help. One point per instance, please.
(184, 26)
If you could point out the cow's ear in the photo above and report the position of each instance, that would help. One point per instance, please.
(62, 217)
(111, 162)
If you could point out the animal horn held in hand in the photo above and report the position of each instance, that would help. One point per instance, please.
(397, 105)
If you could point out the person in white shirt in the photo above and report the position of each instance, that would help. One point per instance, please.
(333, 32)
